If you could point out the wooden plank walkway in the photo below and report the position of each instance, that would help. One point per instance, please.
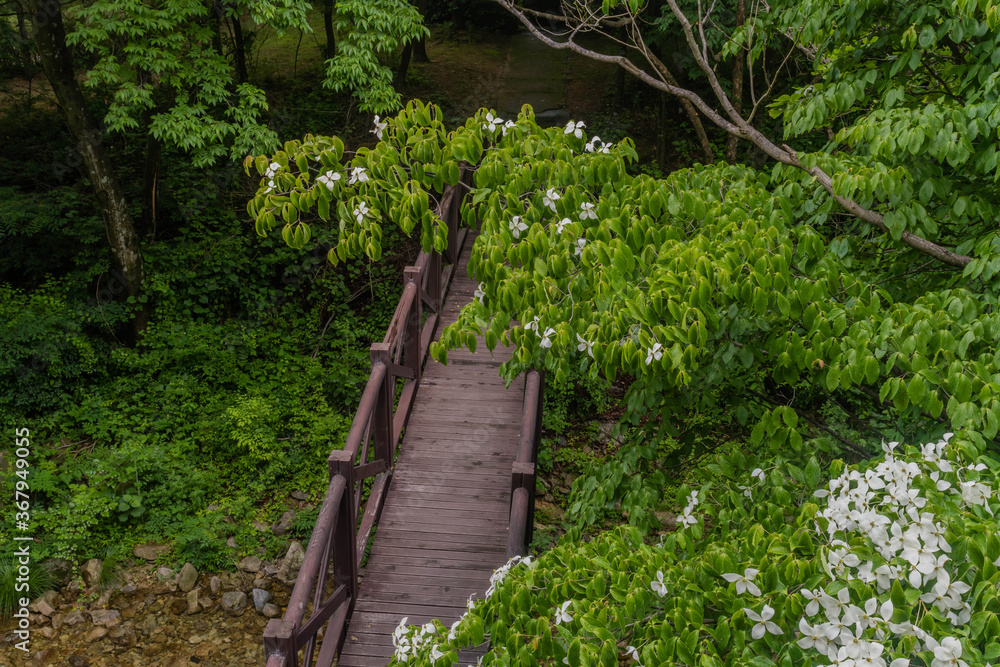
(443, 529)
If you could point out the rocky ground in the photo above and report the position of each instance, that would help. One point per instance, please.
(157, 617)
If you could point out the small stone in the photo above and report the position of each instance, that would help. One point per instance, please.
(271, 611)
(41, 606)
(261, 526)
(215, 585)
(164, 574)
(298, 495)
(270, 570)
(150, 551)
(109, 618)
(74, 617)
(178, 606)
(123, 635)
(250, 564)
(47, 632)
(282, 525)
(291, 563)
(79, 661)
(58, 620)
(187, 578)
(150, 623)
(91, 571)
(213, 507)
(96, 634)
(234, 602)
(260, 598)
(207, 604)
(46, 657)
(231, 543)
(192, 601)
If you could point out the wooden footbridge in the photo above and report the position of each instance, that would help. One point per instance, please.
(451, 503)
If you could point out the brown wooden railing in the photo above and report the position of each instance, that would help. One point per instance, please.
(339, 541)
(522, 479)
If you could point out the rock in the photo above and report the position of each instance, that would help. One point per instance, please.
(123, 635)
(290, 564)
(150, 551)
(47, 657)
(96, 634)
(270, 570)
(164, 574)
(91, 571)
(250, 564)
(298, 495)
(282, 525)
(215, 585)
(59, 569)
(260, 598)
(150, 623)
(271, 611)
(234, 602)
(79, 661)
(47, 632)
(74, 617)
(58, 620)
(206, 604)
(231, 543)
(192, 601)
(109, 618)
(178, 606)
(261, 526)
(667, 519)
(187, 578)
(214, 507)
(41, 606)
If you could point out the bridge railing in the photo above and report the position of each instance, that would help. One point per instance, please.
(341, 536)
(522, 479)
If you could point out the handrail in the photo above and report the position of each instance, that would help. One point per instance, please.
(522, 478)
(343, 530)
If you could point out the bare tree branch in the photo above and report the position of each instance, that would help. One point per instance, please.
(734, 123)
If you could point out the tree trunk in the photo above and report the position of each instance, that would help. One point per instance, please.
(50, 42)
(216, 17)
(331, 39)
(741, 19)
(150, 184)
(404, 64)
(239, 47)
(420, 47)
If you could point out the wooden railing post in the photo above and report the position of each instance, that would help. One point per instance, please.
(433, 277)
(345, 559)
(279, 642)
(412, 328)
(382, 414)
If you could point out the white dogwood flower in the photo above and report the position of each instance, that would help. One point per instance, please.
(585, 346)
(547, 337)
(379, 127)
(654, 353)
(328, 179)
(574, 128)
(580, 245)
(550, 198)
(517, 226)
(762, 622)
(562, 613)
(744, 582)
(358, 175)
(587, 211)
(658, 586)
(492, 122)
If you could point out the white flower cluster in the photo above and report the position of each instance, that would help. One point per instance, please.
(686, 518)
(882, 505)
(407, 640)
(596, 145)
(546, 336)
(492, 123)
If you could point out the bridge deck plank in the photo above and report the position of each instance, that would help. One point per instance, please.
(444, 525)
